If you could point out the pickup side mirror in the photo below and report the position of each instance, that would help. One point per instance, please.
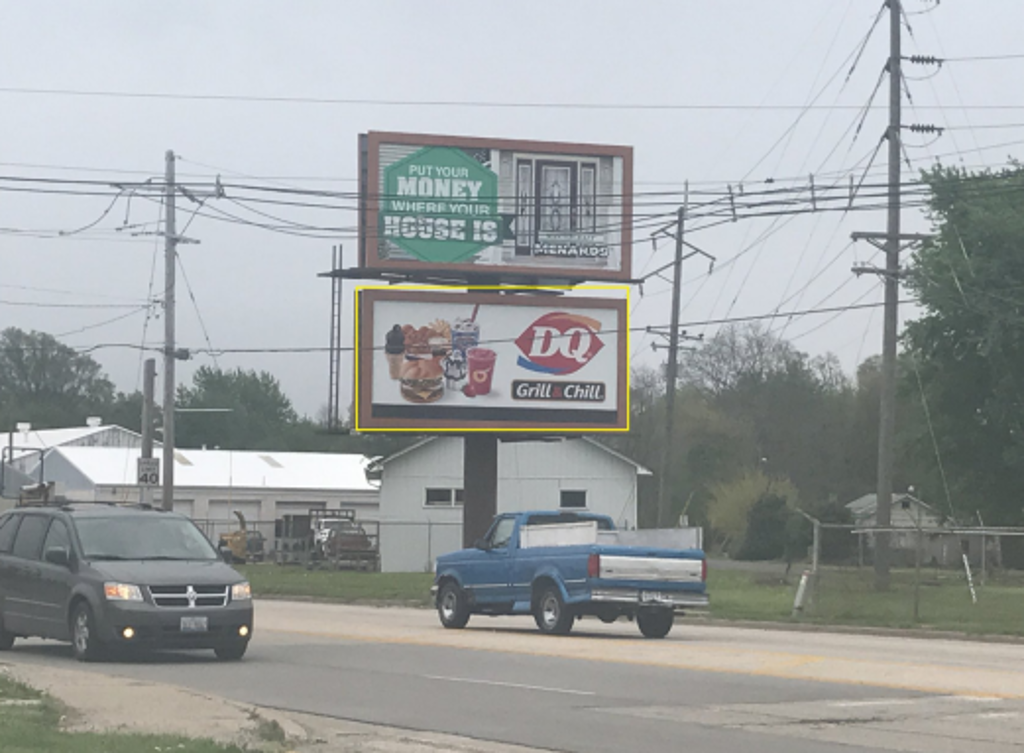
(58, 556)
(482, 544)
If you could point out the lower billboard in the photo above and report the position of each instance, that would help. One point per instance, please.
(433, 360)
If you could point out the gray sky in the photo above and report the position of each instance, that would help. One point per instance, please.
(256, 288)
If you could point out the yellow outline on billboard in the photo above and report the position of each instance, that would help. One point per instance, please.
(355, 352)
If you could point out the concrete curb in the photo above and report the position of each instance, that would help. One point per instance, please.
(815, 627)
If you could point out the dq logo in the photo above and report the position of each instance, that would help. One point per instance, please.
(559, 343)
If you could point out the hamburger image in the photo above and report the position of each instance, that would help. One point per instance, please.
(422, 380)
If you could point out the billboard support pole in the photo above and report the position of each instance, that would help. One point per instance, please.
(480, 485)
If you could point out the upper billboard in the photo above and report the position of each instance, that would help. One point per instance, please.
(531, 209)
(428, 360)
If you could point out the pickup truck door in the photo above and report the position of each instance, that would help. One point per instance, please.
(489, 577)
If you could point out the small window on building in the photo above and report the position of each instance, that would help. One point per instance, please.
(575, 499)
(439, 498)
(444, 498)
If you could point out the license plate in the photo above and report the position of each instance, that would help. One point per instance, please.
(654, 597)
(194, 624)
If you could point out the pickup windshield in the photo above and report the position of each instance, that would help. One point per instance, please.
(143, 538)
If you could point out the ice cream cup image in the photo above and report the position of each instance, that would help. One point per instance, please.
(481, 369)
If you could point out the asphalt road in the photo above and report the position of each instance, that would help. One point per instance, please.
(605, 689)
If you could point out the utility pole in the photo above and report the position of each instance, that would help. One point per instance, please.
(170, 259)
(148, 389)
(887, 422)
(672, 369)
(893, 241)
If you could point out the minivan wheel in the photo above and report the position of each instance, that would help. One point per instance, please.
(84, 639)
(6, 639)
(232, 651)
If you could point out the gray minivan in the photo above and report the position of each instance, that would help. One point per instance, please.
(107, 577)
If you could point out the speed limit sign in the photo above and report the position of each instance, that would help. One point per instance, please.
(148, 472)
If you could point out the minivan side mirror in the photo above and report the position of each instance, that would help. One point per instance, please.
(58, 556)
(226, 554)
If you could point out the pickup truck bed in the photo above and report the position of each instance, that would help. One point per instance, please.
(559, 582)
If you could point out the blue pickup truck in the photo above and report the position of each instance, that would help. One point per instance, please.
(561, 566)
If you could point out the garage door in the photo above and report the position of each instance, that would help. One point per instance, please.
(184, 507)
(298, 508)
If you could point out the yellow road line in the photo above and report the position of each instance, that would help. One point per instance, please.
(778, 672)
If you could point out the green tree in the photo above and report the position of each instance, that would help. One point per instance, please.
(798, 409)
(729, 512)
(256, 412)
(47, 383)
(967, 349)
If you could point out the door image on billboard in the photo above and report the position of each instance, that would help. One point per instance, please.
(441, 361)
(466, 204)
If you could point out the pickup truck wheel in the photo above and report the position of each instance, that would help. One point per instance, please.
(452, 606)
(655, 623)
(551, 613)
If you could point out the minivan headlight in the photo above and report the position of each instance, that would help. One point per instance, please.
(241, 591)
(122, 592)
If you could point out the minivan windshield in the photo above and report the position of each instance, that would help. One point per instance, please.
(143, 537)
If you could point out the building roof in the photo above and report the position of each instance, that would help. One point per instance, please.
(28, 443)
(41, 439)
(640, 469)
(249, 469)
(865, 506)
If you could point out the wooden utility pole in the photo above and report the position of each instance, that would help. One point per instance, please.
(674, 335)
(672, 370)
(170, 354)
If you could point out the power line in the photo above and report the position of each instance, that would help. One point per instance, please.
(286, 350)
(47, 305)
(476, 104)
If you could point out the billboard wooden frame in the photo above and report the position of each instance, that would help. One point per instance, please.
(369, 199)
(366, 296)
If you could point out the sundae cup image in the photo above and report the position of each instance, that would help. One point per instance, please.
(422, 380)
(454, 369)
(394, 349)
(465, 335)
(481, 371)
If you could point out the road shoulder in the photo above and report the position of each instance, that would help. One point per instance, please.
(97, 702)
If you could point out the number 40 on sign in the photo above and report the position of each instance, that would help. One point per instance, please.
(148, 472)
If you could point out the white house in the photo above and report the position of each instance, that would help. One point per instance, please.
(210, 485)
(421, 491)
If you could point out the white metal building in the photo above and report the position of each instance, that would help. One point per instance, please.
(421, 491)
(210, 485)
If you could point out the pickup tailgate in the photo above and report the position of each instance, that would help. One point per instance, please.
(665, 577)
(646, 569)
